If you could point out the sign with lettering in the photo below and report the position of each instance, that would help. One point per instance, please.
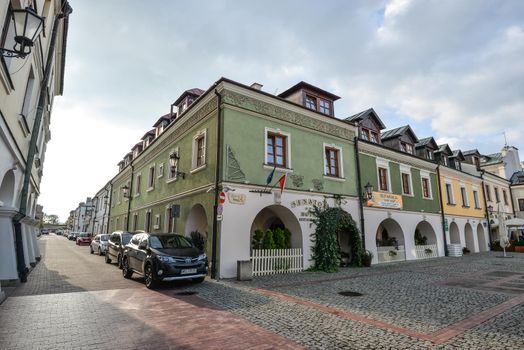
(307, 202)
(385, 200)
(237, 198)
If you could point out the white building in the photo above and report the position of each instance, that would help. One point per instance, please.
(504, 163)
(101, 210)
(25, 111)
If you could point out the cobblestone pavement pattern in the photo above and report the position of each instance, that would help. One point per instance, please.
(473, 302)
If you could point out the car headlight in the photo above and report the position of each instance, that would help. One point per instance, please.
(202, 257)
(164, 258)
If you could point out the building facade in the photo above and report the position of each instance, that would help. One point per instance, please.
(101, 201)
(26, 102)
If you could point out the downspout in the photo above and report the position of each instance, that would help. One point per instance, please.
(130, 196)
(442, 211)
(17, 220)
(214, 249)
(108, 205)
(360, 197)
(486, 207)
(94, 218)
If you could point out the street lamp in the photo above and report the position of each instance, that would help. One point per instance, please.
(490, 209)
(28, 26)
(368, 193)
(173, 164)
(125, 189)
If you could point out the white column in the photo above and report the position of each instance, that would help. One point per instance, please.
(8, 268)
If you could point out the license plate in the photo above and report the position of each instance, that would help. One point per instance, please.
(188, 271)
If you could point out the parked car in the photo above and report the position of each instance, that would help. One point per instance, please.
(83, 238)
(115, 246)
(72, 236)
(44, 231)
(99, 244)
(163, 257)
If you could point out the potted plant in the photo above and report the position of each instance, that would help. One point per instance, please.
(366, 258)
(428, 251)
(465, 250)
(392, 253)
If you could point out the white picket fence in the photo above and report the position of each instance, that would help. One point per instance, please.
(274, 261)
(391, 253)
(426, 251)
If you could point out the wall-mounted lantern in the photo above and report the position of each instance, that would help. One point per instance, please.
(368, 191)
(173, 164)
(28, 26)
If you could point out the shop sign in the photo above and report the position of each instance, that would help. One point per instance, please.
(446, 225)
(308, 201)
(237, 198)
(385, 200)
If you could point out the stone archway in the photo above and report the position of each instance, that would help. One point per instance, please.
(481, 238)
(470, 239)
(454, 233)
(7, 189)
(425, 241)
(277, 216)
(196, 220)
(390, 241)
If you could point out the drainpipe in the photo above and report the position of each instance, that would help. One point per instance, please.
(360, 198)
(130, 194)
(442, 211)
(22, 269)
(486, 206)
(108, 205)
(214, 249)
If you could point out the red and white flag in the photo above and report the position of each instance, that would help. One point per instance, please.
(282, 182)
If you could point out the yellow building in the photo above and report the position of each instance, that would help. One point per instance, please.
(463, 204)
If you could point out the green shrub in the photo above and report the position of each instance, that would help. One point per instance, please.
(256, 241)
(268, 242)
(199, 240)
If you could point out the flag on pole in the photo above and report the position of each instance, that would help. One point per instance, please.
(270, 176)
(282, 182)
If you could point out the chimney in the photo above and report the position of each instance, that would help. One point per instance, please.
(256, 86)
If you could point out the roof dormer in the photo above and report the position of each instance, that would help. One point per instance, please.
(442, 154)
(472, 157)
(148, 138)
(161, 124)
(311, 97)
(187, 98)
(369, 125)
(137, 149)
(425, 148)
(402, 139)
(456, 159)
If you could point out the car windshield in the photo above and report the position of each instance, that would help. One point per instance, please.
(168, 241)
(83, 235)
(104, 238)
(126, 237)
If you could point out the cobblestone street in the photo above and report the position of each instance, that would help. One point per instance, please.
(75, 300)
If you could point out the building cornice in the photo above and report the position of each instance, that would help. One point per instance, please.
(377, 150)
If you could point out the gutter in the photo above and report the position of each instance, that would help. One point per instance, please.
(17, 220)
(360, 197)
(442, 211)
(214, 250)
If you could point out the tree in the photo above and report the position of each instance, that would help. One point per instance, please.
(51, 219)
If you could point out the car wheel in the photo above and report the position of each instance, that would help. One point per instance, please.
(126, 271)
(149, 277)
(108, 259)
(99, 252)
(119, 261)
(91, 250)
(199, 279)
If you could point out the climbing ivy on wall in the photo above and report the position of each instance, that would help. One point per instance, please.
(325, 249)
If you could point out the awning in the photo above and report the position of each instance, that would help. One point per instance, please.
(515, 222)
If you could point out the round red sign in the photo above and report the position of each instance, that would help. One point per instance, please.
(222, 198)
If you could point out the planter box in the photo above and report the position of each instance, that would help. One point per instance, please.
(519, 248)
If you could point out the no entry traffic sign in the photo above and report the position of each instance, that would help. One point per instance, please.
(222, 198)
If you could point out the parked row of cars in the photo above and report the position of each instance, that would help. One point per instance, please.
(156, 257)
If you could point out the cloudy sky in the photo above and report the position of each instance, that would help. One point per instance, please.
(452, 69)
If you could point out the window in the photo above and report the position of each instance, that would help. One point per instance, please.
(368, 135)
(332, 162)
(147, 223)
(445, 160)
(449, 193)
(364, 135)
(383, 179)
(429, 154)
(135, 222)
(138, 183)
(457, 164)
(488, 193)
(161, 170)
(406, 147)
(151, 179)
(374, 137)
(117, 223)
(426, 187)
(476, 199)
(325, 106)
(505, 197)
(157, 222)
(199, 150)
(465, 202)
(276, 150)
(26, 105)
(406, 184)
(521, 204)
(311, 102)
(497, 194)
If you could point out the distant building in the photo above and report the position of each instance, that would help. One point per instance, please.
(504, 163)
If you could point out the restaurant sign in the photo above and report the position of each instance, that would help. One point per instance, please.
(385, 200)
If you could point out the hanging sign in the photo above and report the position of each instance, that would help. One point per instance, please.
(220, 209)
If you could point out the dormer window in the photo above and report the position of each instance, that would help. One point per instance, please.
(406, 147)
(429, 154)
(445, 160)
(311, 102)
(325, 106)
(457, 164)
(374, 137)
(364, 135)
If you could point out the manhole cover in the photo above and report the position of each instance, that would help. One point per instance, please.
(189, 292)
(349, 293)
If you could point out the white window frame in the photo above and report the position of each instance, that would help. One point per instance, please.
(452, 199)
(194, 167)
(175, 177)
(465, 199)
(289, 167)
(383, 163)
(138, 184)
(160, 170)
(426, 175)
(151, 186)
(156, 226)
(340, 162)
(405, 169)
(476, 199)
